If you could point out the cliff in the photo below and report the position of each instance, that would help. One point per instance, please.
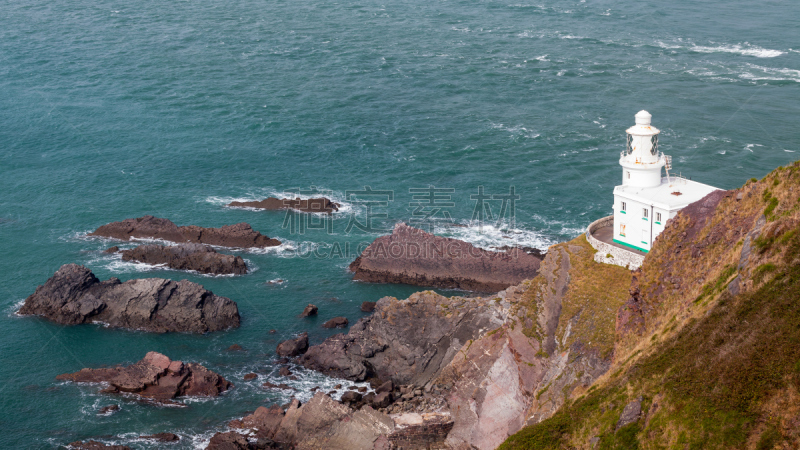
(499, 361)
(706, 351)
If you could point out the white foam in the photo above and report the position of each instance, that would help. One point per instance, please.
(14, 309)
(745, 49)
(758, 52)
(771, 74)
(489, 236)
(749, 147)
(515, 131)
(301, 387)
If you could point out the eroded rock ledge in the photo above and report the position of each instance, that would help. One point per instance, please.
(405, 341)
(412, 256)
(240, 235)
(324, 423)
(310, 205)
(156, 378)
(74, 295)
(198, 257)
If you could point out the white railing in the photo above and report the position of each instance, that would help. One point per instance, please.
(610, 254)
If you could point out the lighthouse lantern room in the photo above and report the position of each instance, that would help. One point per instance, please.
(646, 199)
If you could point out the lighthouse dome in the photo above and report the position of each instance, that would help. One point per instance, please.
(643, 118)
(641, 160)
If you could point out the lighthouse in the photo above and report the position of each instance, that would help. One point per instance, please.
(648, 195)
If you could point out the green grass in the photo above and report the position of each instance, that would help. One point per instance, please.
(715, 376)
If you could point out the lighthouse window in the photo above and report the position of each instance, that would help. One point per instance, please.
(629, 175)
(623, 207)
(630, 144)
(658, 217)
(622, 229)
(644, 213)
(654, 145)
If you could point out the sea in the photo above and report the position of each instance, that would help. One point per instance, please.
(498, 122)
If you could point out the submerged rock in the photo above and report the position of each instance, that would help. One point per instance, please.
(94, 445)
(368, 306)
(336, 322)
(412, 256)
(148, 227)
(155, 377)
(74, 295)
(162, 437)
(198, 257)
(108, 409)
(311, 205)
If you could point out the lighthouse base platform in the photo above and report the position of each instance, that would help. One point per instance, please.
(600, 235)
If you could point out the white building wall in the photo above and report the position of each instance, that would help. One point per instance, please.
(638, 229)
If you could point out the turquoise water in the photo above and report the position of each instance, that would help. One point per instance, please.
(110, 110)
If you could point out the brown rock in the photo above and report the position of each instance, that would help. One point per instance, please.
(238, 235)
(311, 205)
(284, 386)
(412, 256)
(336, 322)
(197, 257)
(113, 249)
(284, 371)
(155, 377)
(235, 348)
(264, 420)
(250, 376)
(406, 341)
(293, 347)
(310, 310)
(74, 295)
(368, 306)
(162, 437)
(229, 441)
(382, 400)
(351, 397)
(385, 387)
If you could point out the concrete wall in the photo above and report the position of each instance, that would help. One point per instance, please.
(618, 256)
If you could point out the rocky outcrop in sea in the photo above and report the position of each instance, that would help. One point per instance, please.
(310, 205)
(240, 235)
(413, 256)
(74, 295)
(197, 257)
(156, 378)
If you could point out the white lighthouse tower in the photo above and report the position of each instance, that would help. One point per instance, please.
(646, 200)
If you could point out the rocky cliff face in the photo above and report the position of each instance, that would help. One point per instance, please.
(240, 235)
(500, 361)
(706, 345)
(405, 341)
(74, 295)
(412, 256)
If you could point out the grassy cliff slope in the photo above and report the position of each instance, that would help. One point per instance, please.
(707, 351)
